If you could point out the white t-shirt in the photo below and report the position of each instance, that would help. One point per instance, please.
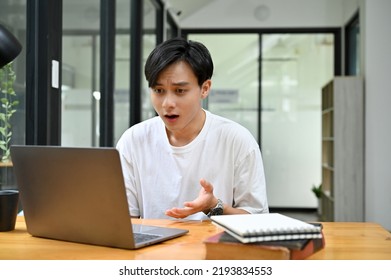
(159, 176)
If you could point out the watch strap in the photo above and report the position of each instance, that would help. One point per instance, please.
(218, 209)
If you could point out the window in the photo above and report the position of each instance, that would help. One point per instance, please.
(352, 46)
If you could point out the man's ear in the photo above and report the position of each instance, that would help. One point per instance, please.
(205, 89)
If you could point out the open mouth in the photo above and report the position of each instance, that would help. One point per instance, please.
(171, 117)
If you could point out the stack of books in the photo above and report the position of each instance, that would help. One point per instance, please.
(264, 236)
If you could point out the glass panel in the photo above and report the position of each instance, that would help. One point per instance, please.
(77, 99)
(13, 18)
(80, 73)
(122, 69)
(123, 64)
(353, 48)
(294, 69)
(122, 76)
(234, 93)
(149, 43)
(147, 109)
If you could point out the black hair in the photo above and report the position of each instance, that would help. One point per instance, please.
(179, 49)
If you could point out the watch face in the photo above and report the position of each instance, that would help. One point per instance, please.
(216, 211)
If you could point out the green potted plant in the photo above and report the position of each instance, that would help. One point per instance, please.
(317, 190)
(8, 103)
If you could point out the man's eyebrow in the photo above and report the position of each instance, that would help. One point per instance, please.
(181, 84)
(175, 84)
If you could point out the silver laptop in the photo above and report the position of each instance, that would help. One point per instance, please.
(78, 195)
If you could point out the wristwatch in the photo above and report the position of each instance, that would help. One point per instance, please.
(217, 210)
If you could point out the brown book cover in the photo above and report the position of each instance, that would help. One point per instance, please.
(223, 246)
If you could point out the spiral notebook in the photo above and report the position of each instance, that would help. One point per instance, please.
(266, 227)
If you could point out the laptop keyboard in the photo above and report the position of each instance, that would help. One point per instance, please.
(144, 237)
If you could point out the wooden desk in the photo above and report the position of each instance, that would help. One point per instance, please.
(343, 241)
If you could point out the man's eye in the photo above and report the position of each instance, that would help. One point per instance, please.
(158, 90)
(180, 90)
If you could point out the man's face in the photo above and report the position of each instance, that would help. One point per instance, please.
(177, 97)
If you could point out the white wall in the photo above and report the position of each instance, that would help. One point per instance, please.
(376, 67)
(275, 14)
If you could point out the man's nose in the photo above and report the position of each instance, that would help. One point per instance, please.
(169, 100)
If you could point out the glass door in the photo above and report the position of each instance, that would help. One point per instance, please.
(81, 69)
(294, 69)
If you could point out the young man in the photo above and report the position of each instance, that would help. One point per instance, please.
(187, 162)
